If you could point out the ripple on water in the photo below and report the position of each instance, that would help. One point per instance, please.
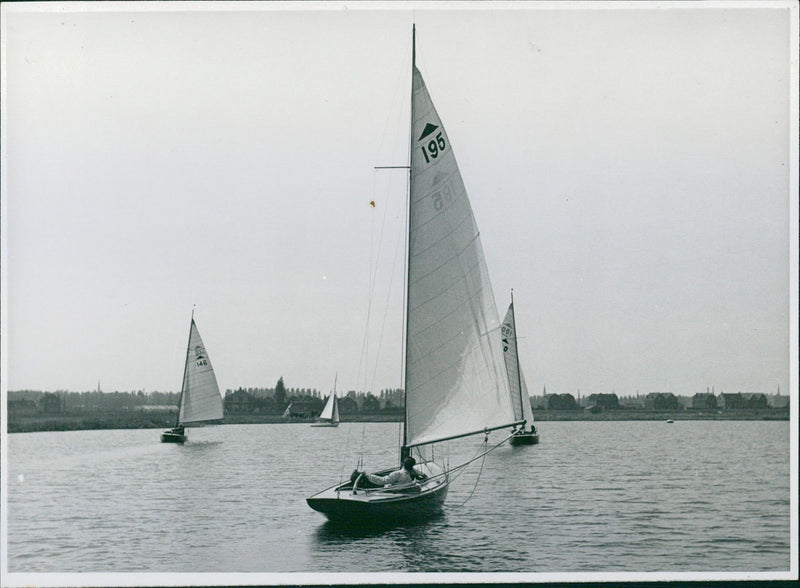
(592, 497)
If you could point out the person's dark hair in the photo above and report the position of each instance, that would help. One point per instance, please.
(409, 463)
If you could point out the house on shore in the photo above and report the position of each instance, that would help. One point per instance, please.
(730, 401)
(600, 402)
(300, 409)
(561, 402)
(756, 400)
(51, 403)
(239, 402)
(704, 401)
(661, 401)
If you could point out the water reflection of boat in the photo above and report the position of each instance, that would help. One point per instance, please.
(333, 530)
(455, 381)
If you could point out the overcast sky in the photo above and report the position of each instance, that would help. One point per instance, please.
(629, 171)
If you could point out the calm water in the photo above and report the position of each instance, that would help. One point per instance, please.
(592, 497)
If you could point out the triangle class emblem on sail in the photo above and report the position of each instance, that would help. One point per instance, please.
(429, 128)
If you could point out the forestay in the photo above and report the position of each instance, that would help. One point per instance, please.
(456, 381)
(200, 398)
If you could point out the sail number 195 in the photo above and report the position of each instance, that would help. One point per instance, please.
(433, 148)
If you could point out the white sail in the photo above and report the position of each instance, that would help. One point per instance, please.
(331, 409)
(200, 397)
(509, 340)
(516, 380)
(456, 381)
(527, 409)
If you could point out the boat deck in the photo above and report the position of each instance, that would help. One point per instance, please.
(406, 503)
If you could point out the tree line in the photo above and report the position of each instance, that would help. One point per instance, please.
(263, 400)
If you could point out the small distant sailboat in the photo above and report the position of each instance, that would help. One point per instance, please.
(455, 382)
(200, 399)
(329, 417)
(526, 434)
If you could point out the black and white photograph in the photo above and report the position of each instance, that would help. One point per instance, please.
(317, 293)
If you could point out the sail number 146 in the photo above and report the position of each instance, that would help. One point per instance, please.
(433, 148)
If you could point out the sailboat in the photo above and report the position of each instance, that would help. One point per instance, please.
(200, 399)
(526, 434)
(455, 378)
(329, 417)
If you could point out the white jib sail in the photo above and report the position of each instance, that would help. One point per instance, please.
(519, 390)
(335, 418)
(527, 410)
(201, 400)
(456, 380)
(327, 412)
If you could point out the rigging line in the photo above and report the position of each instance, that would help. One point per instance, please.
(375, 258)
(466, 463)
(386, 306)
(483, 461)
(344, 455)
(396, 103)
(373, 264)
(372, 291)
(361, 451)
(362, 360)
(460, 469)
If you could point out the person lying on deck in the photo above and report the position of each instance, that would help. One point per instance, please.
(405, 475)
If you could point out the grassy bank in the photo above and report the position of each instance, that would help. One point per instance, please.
(756, 414)
(134, 420)
(69, 422)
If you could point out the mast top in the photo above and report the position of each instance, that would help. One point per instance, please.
(414, 45)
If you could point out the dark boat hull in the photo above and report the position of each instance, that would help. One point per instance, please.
(381, 506)
(525, 439)
(323, 424)
(172, 437)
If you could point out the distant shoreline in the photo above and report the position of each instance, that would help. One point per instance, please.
(132, 420)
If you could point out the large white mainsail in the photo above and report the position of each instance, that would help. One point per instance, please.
(200, 397)
(516, 380)
(456, 381)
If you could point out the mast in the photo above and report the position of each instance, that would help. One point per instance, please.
(185, 365)
(405, 451)
(516, 354)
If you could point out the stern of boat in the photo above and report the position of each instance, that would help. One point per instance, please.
(524, 439)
